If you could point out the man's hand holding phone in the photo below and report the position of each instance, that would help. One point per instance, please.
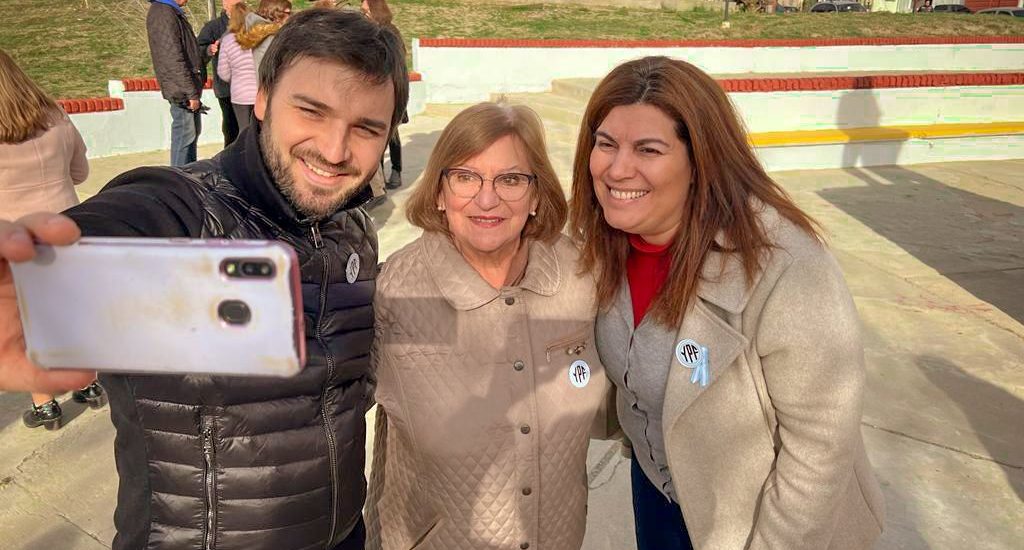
(176, 305)
(17, 241)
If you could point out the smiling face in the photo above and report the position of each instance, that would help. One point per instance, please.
(329, 130)
(487, 225)
(641, 172)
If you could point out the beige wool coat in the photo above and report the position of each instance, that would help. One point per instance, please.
(486, 401)
(769, 455)
(40, 174)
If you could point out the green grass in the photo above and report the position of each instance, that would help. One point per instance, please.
(72, 47)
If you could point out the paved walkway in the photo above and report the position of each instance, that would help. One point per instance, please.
(934, 257)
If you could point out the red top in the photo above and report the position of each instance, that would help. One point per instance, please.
(646, 268)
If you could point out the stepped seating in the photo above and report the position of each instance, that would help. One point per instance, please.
(802, 121)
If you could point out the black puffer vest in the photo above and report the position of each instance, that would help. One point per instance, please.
(256, 463)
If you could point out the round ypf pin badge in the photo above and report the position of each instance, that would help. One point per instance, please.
(688, 353)
(352, 268)
(579, 374)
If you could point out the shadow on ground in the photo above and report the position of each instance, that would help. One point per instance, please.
(994, 413)
(972, 240)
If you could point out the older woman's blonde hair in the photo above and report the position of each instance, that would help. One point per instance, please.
(26, 109)
(469, 134)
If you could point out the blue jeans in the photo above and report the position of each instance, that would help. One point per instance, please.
(659, 521)
(185, 128)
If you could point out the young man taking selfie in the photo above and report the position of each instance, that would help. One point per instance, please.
(254, 463)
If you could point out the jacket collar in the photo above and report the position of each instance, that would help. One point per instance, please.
(465, 289)
(170, 3)
(243, 164)
(723, 281)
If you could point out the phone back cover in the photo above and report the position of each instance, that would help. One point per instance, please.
(154, 308)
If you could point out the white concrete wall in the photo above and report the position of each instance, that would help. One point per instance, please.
(462, 75)
(145, 122)
(882, 153)
(417, 97)
(143, 125)
(818, 110)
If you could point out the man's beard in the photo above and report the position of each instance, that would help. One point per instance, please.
(313, 202)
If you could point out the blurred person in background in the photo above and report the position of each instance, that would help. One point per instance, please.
(380, 13)
(42, 159)
(261, 27)
(209, 47)
(181, 73)
(237, 67)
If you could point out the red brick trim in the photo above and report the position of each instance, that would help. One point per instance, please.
(870, 82)
(91, 105)
(101, 104)
(751, 43)
(150, 84)
(140, 84)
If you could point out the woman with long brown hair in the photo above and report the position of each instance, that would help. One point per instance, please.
(42, 159)
(724, 322)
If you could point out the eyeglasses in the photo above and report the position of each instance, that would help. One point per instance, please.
(466, 184)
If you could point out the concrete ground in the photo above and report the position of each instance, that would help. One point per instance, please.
(934, 255)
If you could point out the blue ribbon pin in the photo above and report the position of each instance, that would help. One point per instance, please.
(694, 357)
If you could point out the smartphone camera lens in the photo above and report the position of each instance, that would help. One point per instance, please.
(248, 269)
(234, 312)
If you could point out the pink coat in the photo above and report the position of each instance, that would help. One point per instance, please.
(40, 174)
(236, 65)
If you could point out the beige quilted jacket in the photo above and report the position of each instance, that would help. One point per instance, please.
(486, 400)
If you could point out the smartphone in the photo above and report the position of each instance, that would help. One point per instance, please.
(179, 306)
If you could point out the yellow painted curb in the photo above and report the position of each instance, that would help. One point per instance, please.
(884, 133)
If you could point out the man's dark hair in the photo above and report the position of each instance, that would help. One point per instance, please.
(345, 37)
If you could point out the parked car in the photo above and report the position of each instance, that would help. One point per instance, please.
(836, 6)
(951, 8)
(1016, 12)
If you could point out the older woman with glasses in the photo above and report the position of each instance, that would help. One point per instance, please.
(488, 379)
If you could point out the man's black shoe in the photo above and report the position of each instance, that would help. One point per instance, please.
(48, 414)
(92, 394)
(394, 181)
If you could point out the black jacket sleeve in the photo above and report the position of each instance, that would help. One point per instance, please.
(211, 32)
(168, 52)
(147, 202)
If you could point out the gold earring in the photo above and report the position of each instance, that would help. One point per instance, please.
(533, 213)
(440, 207)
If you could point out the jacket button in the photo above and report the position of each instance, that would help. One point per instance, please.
(527, 491)
(524, 545)
(509, 301)
(525, 429)
(519, 365)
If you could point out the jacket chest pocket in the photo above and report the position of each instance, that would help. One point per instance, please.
(573, 370)
(575, 353)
